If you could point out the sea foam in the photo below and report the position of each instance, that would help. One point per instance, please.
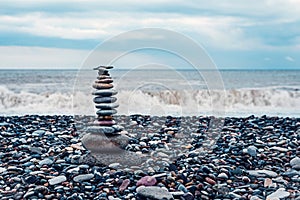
(233, 102)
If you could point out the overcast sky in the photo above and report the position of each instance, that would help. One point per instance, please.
(237, 34)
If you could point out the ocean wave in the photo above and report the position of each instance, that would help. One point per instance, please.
(257, 101)
(12, 103)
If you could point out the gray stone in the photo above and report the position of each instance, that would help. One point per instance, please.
(113, 198)
(14, 169)
(2, 169)
(295, 161)
(74, 170)
(154, 192)
(279, 149)
(223, 176)
(262, 173)
(36, 172)
(107, 105)
(269, 128)
(160, 175)
(291, 172)
(255, 198)
(38, 132)
(114, 165)
(100, 130)
(46, 161)
(36, 150)
(103, 67)
(251, 150)
(278, 194)
(100, 144)
(57, 180)
(105, 93)
(100, 99)
(297, 167)
(106, 112)
(83, 177)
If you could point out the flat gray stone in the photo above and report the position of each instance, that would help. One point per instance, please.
(57, 180)
(46, 161)
(103, 67)
(36, 150)
(105, 93)
(107, 105)
(154, 192)
(269, 128)
(281, 149)
(2, 169)
(38, 132)
(99, 99)
(83, 177)
(278, 194)
(114, 165)
(262, 173)
(295, 161)
(100, 130)
(106, 112)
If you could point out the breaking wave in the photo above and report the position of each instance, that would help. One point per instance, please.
(237, 102)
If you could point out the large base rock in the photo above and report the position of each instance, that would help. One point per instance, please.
(105, 151)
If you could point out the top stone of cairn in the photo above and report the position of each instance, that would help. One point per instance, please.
(103, 67)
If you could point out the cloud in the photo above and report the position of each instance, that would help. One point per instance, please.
(229, 27)
(289, 58)
(224, 25)
(16, 57)
(221, 32)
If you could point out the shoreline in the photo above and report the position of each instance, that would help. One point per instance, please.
(239, 157)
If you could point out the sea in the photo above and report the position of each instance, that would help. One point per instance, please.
(154, 92)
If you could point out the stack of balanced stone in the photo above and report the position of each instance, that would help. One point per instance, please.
(105, 102)
(103, 137)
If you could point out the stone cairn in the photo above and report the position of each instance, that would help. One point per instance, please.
(104, 139)
(105, 102)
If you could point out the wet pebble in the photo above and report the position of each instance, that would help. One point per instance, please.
(154, 192)
(295, 163)
(262, 173)
(278, 194)
(57, 180)
(83, 177)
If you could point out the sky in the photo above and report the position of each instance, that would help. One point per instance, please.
(236, 34)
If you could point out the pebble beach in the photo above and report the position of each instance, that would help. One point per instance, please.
(42, 157)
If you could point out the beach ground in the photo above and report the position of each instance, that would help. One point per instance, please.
(42, 157)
